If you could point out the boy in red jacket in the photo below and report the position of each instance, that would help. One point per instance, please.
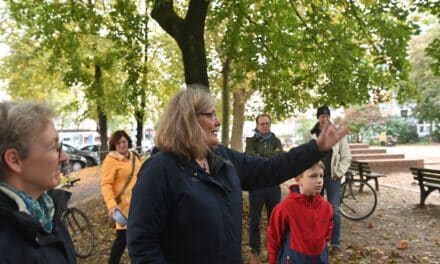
(301, 225)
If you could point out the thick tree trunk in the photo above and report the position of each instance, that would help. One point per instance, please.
(102, 117)
(226, 101)
(189, 35)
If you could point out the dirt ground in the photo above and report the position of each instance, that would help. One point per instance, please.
(399, 231)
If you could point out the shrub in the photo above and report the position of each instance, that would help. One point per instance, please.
(436, 135)
(400, 128)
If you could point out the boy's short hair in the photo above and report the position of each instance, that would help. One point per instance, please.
(318, 164)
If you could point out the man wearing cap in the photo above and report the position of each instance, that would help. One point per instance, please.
(337, 161)
(264, 143)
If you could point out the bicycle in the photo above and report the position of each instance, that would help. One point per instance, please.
(358, 198)
(77, 223)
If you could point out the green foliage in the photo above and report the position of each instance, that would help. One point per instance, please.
(428, 104)
(433, 50)
(61, 45)
(436, 135)
(302, 133)
(400, 128)
(298, 53)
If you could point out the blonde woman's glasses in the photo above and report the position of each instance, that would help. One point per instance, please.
(211, 116)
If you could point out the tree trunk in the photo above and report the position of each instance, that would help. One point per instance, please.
(189, 35)
(102, 117)
(240, 96)
(139, 116)
(230, 53)
(226, 101)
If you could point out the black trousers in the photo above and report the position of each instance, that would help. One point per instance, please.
(118, 247)
(270, 196)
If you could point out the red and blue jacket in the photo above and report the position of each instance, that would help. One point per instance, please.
(299, 229)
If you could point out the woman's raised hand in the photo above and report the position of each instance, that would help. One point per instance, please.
(329, 136)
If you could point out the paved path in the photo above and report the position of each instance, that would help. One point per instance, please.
(430, 153)
(88, 188)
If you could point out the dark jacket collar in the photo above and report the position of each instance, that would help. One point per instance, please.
(9, 210)
(216, 163)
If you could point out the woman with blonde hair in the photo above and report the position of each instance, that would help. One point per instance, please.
(187, 203)
(119, 173)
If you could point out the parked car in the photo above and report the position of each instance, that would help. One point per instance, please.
(94, 150)
(91, 160)
(74, 163)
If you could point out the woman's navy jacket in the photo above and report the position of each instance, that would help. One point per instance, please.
(181, 214)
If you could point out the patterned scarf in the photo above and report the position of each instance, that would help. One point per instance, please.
(263, 137)
(42, 209)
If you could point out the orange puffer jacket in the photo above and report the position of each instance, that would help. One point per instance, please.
(116, 169)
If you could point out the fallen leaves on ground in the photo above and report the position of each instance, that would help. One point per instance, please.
(399, 231)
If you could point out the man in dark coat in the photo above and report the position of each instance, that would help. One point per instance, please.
(264, 143)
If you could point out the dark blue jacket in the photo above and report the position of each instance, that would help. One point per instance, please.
(181, 214)
(22, 239)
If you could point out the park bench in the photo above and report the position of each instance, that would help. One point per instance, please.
(363, 170)
(429, 181)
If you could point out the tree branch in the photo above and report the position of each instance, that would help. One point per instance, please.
(304, 22)
(362, 27)
(163, 12)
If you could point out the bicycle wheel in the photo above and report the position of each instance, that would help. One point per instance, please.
(358, 200)
(81, 231)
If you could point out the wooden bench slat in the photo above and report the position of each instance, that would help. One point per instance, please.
(429, 178)
(363, 170)
(373, 174)
(434, 185)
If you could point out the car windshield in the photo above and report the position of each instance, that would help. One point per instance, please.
(68, 148)
(89, 148)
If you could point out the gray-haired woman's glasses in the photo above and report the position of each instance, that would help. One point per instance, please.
(60, 149)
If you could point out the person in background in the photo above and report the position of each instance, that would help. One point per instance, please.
(31, 229)
(301, 224)
(119, 174)
(336, 161)
(264, 143)
(187, 202)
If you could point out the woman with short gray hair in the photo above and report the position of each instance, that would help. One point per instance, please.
(31, 230)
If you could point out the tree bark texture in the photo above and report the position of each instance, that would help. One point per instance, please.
(189, 35)
(102, 117)
(240, 97)
(226, 101)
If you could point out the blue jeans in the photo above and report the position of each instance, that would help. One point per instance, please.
(270, 196)
(332, 188)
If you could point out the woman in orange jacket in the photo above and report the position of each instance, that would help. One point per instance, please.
(119, 174)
